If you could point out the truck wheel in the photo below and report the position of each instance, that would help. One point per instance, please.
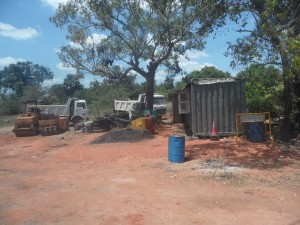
(77, 120)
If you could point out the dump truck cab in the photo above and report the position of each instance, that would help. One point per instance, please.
(77, 110)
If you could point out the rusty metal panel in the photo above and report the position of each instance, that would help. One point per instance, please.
(216, 100)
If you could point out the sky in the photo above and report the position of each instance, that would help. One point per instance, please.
(26, 34)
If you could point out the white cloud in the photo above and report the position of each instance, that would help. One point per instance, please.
(196, 54)
(160, 76)
(187, 66)
(75, 45)
(53, 3)
(7, 30)
(95, 38)
(191, 65)
(48, 83)
(56, 50)
(90, 40)
(144, 5)
(61, 67)
(6, 61)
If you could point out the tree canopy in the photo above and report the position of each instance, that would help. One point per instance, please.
(72, 84)
(272, 38)
(272, 32)
(59, 92)
(16, 77)
(263, 89)
(206, 72)
(120, 37)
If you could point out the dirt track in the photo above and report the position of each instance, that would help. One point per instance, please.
(64, 179)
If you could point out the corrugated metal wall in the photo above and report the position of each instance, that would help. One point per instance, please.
(216, 100)
(175, 112)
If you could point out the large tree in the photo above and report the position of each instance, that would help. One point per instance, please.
(57, 91)
(72, 84)
(16, 77)
(120, 37)
(263, 89)
(271, 29)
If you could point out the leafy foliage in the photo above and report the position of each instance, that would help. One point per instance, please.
(100, 95)
(10, 104)
(169, 83)
(16, 77)
(270, 27)
(72, 84)
(206, 72)
(117, 38)
(264, 89)
(272, 38)
(57, 91)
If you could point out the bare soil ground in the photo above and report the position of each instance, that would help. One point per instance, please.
(65, 179)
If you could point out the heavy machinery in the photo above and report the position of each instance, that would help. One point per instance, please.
(76, 110)
(50, 124)
(27, 124)
(33, 122)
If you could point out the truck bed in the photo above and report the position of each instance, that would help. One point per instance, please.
(127, 106)
(52, 109)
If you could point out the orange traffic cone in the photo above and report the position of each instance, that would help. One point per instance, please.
(214, 136)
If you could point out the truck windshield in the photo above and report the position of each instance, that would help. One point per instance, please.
(81, 105)
(159, 101)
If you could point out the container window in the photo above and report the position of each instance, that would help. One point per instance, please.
(184, 102)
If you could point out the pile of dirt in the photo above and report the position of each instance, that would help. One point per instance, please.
(123, 135)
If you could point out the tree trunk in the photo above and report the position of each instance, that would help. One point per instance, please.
(150, 91)
(287, 128)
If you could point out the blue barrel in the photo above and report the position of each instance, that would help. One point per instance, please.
(256, 132)
(176, 149)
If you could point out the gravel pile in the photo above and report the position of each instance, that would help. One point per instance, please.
(123, 135)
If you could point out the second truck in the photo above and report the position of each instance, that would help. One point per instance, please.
(134, 107)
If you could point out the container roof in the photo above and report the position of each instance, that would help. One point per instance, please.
(202, 81)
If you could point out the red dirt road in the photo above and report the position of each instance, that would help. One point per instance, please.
(64, 179)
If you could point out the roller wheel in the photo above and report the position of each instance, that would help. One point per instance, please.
(24, 133)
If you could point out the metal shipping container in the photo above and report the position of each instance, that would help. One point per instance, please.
(216, 100)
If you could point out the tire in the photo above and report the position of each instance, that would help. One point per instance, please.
(77, 120)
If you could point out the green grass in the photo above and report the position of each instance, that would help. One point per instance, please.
(7, 120)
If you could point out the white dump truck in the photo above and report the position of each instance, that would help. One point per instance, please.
(132, 106)
(75, 109)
